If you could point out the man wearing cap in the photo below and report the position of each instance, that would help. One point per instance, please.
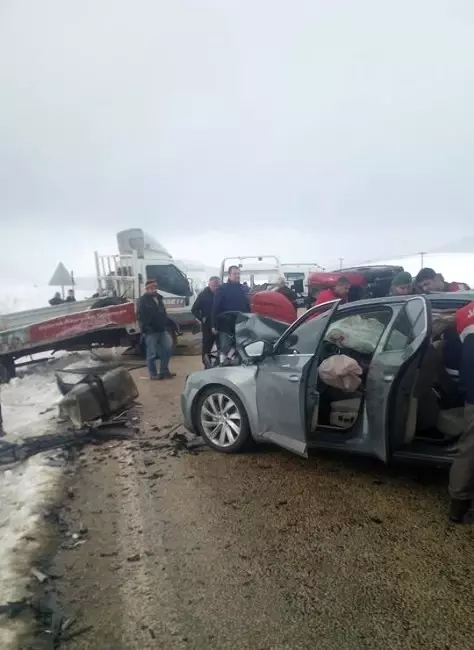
(153, 319)
(402, 284)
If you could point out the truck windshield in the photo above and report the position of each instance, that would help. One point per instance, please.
(169, 278)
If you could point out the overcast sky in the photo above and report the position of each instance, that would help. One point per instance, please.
(312, 129)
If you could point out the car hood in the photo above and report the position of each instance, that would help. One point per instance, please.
(250, 328)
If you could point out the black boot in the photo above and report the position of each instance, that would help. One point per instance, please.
(458, 510)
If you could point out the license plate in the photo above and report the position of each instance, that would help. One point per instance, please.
(174, 302)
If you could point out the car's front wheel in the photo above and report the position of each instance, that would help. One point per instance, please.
(222, 420)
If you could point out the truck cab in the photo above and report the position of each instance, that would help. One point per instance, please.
(140, 258)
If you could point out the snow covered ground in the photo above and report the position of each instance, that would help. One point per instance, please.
(17, 297)
(30, 488)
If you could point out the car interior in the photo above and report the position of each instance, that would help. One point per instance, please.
(330, 407)
(427, 395)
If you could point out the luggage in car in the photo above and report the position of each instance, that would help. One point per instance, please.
(344, 412)
(342, 372)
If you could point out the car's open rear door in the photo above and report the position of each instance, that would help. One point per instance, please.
(281, 380)
(390, 399)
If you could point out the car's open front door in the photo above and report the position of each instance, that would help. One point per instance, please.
(390, 396)
(281, 380)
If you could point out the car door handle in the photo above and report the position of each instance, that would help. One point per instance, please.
(294, 378)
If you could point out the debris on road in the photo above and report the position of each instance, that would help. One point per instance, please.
(39, 575)
(72, 439)
(98, 396)
(174, 443)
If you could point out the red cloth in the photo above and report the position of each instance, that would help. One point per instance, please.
(465, 321)
(273, 304)
(325, 296)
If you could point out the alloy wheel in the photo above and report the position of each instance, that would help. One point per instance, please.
(221, 419)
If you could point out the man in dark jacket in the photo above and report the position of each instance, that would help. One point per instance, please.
(56, 299)
(231, 296)
(285, 290)
(202, 310)
(153, 319)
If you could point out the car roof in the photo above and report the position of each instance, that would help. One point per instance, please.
(376, 267)
(456, 297)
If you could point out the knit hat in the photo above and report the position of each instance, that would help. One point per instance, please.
(425, 274)
(401, 279)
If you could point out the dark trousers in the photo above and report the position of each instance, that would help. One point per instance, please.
(461, 476)
(208, 340)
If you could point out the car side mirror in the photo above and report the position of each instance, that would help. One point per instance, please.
(257, 349)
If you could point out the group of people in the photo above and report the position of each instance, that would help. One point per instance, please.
(216, 299)
(403, 284)
(426, 281)
(57, 299)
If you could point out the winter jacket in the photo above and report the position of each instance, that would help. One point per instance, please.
(326, 295)
(459, 351)
(231, 296)
(56, 300)
(151, 314)
(202, 308)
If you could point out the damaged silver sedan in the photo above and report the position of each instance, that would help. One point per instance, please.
(401, 405)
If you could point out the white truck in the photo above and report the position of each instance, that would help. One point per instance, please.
(255, 270)
(299, 271)
(107, 319)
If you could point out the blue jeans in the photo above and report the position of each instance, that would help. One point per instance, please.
(158, 345)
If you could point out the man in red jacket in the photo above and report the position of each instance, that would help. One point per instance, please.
(461, 477)
(339, 291)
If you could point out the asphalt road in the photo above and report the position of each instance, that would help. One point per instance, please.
(260, 551)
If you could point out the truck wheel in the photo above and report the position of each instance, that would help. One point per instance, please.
(7, 369)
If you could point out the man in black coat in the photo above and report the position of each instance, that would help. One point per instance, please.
(202, 310)
(153, 319)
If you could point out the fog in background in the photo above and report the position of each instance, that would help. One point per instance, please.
(310, 129)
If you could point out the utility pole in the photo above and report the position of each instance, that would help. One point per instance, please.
(422, 258)
(341, 260)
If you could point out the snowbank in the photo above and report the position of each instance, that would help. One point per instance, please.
(29, 489)
(28, 296)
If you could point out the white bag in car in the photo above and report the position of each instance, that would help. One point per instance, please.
(341, 371)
